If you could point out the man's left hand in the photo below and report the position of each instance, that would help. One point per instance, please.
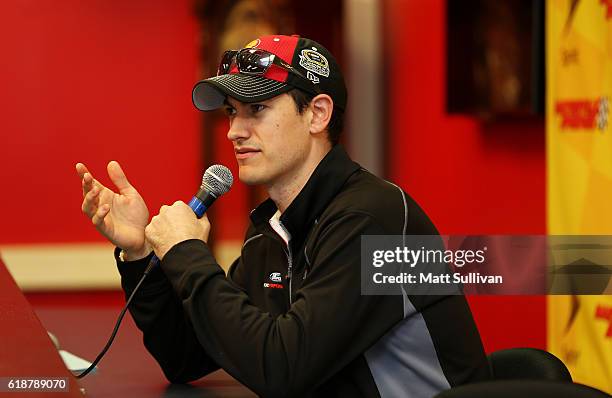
(175, 224)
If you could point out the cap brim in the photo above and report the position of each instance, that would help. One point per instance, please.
(210, 94)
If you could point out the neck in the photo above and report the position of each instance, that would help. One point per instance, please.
(284, 191)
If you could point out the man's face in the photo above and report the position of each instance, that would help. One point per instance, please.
(271, 139)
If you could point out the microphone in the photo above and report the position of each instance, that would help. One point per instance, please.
(216, 181)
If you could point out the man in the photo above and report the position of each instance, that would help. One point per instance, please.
(289, 319)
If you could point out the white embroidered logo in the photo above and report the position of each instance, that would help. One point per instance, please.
(314, 62)
(276, 277)
(312, 77)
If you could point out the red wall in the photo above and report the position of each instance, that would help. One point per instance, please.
(92, 81)
(471, 178)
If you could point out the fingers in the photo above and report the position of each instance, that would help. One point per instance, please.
(98, 217)
(117, 176)
(87, 183)
(91, 192)
(90, 203)
(178, 203)
(87, 180)
(81, 169)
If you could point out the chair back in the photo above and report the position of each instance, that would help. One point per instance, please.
(527, 363)
(523, 389)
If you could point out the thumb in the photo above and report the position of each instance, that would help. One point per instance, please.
(205, 226)
(118, 178)
(204, 220)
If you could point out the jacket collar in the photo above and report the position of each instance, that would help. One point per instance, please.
(322, 186)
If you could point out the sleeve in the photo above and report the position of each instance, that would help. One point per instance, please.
(328, 325)
(167, 333)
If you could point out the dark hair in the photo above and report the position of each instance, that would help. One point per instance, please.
(302, 99)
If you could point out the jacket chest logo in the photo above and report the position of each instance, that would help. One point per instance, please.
(276, 278)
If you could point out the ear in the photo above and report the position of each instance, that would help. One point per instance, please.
(322, 107)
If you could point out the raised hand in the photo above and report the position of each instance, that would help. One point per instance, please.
(120, 217)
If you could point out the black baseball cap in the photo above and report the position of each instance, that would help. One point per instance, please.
(310, 59)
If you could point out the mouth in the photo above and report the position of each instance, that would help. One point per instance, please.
(245, 152)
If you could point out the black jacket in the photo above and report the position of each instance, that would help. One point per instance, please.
(290, 321)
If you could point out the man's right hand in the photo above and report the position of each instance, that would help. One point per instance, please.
(120, 217)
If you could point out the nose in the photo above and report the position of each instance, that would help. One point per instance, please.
(238, 129)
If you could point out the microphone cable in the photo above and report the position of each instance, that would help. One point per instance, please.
(117, 324)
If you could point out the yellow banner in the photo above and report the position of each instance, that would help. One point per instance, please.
(579, 167)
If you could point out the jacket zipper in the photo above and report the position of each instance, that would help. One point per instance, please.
(289, 269)
(289, 260)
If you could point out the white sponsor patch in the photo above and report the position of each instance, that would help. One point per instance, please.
(276, 277)
(314, 62)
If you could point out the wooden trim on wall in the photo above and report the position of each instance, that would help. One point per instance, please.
(73, 266)
(78, 266)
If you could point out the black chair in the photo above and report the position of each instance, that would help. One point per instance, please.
(523, 389)
(527, 363)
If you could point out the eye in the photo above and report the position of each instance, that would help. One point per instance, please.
(256, 108)
(229, 111)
